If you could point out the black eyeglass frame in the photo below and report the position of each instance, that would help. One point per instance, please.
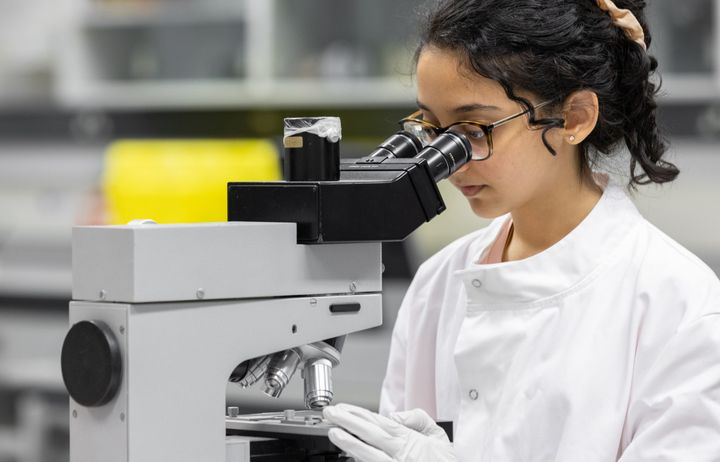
(487, 129)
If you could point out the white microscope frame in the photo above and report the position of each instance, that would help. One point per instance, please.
(187, 304)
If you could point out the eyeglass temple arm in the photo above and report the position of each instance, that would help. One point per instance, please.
(515, 116)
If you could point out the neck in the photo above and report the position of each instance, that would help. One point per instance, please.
(543, 222)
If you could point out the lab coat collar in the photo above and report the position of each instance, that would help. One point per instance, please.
(540, 279)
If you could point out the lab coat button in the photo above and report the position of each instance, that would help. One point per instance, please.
(477, 283)
(473, 394)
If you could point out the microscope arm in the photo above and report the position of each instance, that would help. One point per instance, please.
(179, 307)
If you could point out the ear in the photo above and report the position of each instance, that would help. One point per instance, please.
(580, 111)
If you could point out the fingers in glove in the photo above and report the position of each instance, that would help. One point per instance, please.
(363, 426)
(392, 427)
(355, 448)
(420, 421)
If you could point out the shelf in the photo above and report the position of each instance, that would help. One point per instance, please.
(377, 92)
(104, 16)
(361, 92)
(36, 282)
(689, 88)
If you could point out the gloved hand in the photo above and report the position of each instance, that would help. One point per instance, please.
(410, 436)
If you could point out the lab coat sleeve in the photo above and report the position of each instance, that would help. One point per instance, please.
(675, 415)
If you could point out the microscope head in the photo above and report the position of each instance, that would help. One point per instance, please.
(384, 196)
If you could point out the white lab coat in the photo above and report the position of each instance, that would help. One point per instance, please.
(604, 347)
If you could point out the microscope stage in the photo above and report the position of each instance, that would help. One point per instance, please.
(288, 423)
(290, 436)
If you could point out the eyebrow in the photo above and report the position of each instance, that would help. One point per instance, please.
(464, 108)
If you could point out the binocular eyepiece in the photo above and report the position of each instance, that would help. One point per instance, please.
(312, 150)
(444, 155)
(383, 196)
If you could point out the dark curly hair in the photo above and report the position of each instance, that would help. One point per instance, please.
(553, 48)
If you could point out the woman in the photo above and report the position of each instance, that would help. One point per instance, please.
(570, 329)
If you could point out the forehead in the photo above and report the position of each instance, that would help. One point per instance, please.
(444, 82)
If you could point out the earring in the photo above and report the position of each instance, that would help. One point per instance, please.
(572, 138)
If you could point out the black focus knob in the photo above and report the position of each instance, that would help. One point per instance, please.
(91, 363)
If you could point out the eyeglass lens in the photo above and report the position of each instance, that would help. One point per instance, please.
(475, 135)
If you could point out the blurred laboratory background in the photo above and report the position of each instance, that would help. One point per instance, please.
(117, 109)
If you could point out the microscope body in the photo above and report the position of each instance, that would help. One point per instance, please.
(173, 309)
(163, 316)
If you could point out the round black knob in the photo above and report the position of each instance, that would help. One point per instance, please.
(91, 363)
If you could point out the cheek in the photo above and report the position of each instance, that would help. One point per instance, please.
(514, 165)
(516, 172)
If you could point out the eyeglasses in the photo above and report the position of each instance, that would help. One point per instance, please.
(477, 133)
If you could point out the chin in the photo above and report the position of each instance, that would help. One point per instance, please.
(486, 210)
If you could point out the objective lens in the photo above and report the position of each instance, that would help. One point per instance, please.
(400, 145)
(318, 384)
(280, 370)
(250, 372)
(446, 154)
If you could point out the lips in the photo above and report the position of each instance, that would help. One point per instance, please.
(470, 191)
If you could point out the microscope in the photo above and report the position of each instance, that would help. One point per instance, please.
(163, 316)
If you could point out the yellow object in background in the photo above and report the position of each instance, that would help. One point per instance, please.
(180, 181)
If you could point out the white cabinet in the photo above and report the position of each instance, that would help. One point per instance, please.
(309, 53)
(235, 53)
(686, 43)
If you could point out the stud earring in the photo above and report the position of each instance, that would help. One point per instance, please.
(572, 138)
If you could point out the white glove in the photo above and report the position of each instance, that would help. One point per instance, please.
(410, 436)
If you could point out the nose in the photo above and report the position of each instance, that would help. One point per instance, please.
(462, 169)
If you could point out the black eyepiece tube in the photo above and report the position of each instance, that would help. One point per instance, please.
(401, 145)
(312, 149)
(446, 154)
